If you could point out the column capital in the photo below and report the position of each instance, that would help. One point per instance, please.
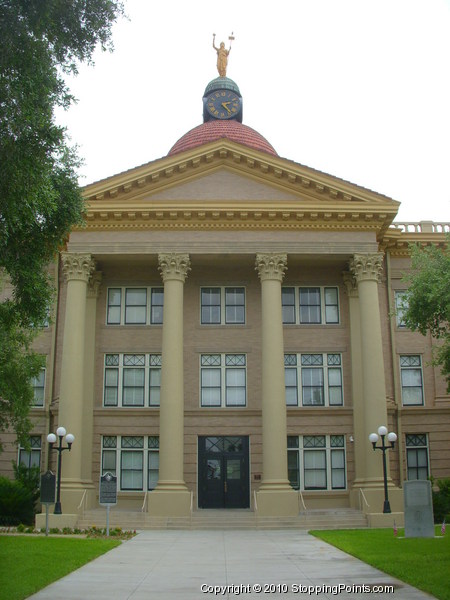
(350, 284)
(366, 267)
(94, 284)
(174, 266)
(77, 266)
(271, 266)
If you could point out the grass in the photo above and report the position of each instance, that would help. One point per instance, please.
(422, 562)
(28, 563)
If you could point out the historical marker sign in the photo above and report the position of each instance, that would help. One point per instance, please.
(418, 502)
(108, 489)
(48, 488)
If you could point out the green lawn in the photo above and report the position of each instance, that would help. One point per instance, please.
(28, 563)
(421, 562)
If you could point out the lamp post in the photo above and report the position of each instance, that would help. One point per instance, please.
(392, 438)
(51, 439)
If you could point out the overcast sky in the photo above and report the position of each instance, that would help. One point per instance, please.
(359, 89)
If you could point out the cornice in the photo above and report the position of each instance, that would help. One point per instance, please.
(397, 240)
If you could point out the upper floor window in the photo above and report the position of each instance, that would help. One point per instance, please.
(417, 456)
(317, 462)
(222, 305)
(223, 380)
(310, 305)
(132, 380)
(135, 306)
(411, 379)
(32, 456)
(400, 307)
(134, 460)
(313, 379)
(38, 384)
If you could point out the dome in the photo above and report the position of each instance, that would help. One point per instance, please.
(222, 83)
(215, 130)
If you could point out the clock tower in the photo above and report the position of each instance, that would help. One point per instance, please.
(222, 101)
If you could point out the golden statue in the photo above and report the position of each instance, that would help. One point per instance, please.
(222, 55)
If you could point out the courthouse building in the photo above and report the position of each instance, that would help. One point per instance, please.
(226, 335)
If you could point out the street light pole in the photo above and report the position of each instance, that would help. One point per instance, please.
(392, 438)
(51, 439)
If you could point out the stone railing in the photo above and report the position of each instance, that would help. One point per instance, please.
(423, 227)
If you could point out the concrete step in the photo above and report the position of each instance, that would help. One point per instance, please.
(226, 519)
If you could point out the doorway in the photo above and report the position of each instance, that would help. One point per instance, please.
(223, 467)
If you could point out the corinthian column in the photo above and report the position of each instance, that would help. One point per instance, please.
(275, 495)
(77, 269)
(366, 270)
(171, 496)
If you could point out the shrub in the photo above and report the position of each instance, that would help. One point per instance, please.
(16, 503)
(441, 501)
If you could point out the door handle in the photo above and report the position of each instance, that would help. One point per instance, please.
(225, 487)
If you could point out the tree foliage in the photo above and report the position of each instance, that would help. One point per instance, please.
(427, 301)
(40, 200)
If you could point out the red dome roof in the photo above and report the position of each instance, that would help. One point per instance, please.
(215, 130)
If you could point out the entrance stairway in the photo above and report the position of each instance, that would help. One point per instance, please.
(339, 518)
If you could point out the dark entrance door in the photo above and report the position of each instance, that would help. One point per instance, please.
(223, 472)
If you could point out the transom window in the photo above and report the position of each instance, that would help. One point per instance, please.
(417, 456)
(412, 380)
(132, 380)
(38, 384)
(310, 305)
(313, 379)
(222, 305)
(135, 306)
(223, 380)
(31, 457)
(134, 460)
(317, 462)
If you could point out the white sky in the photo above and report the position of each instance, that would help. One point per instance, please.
(359, 89)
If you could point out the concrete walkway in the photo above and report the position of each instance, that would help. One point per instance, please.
(224, 564)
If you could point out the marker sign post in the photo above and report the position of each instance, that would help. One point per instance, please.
(48, 493)
(108, 494)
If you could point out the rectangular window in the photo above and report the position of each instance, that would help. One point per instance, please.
(38, 384)
(132, 380)
(400, 307)
(135, 306)
(223, 380)
(320, 376)
(137, 458)
(32, 456)
(317, 462)
(222, 305)
(412, 380)
(316, 305)
(417, 456)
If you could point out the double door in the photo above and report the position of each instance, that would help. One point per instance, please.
(223, 472)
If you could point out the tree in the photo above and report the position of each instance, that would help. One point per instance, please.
(40, 200)
(427, 301)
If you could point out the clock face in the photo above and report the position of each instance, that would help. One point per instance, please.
(223, 104)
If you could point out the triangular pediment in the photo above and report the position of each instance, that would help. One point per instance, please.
(220, 179)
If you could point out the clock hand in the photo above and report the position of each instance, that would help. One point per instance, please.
(225, 105)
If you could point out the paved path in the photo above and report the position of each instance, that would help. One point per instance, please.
(185, 565)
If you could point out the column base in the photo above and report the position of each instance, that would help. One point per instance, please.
(277, 503)
(371, 499)
(169, 502)
(73, 493)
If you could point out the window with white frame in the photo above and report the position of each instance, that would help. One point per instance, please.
(38, 384)
(313, 379)
(317, 462)
(132, 380)
(222, 305)
(134, 460)
(411, 379)
(417, 456)
(400, 307)
(135, 306)
(223, 380)
(31, 457)
(310, 305)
